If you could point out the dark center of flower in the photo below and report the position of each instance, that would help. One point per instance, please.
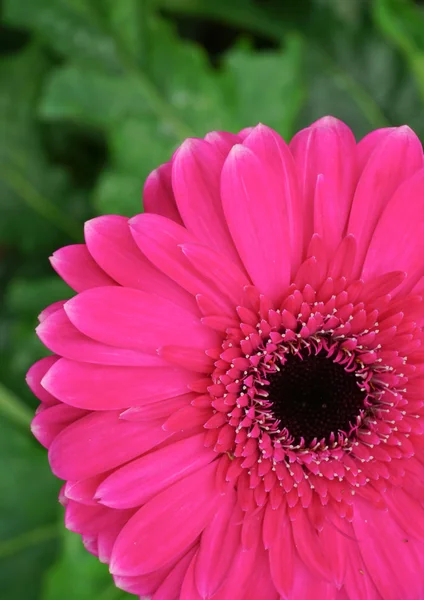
(313, 396)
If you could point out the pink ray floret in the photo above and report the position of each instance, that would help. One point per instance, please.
(235, 399)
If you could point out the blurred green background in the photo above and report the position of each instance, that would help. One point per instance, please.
(93, 95)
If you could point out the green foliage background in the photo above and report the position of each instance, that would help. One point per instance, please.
(93, 95)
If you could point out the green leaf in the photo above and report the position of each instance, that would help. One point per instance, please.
(245, 14)
(71, 27)
(139, 146)
(178, 88)
(19, 346)
(28, 515)
(91, 97)
(318, 26)
(380, 71)
(128, 20)
(183, 76)
(78, 574)
(330, 92)
(144, 112)
(403, 24)
(28, 297)
(256, 100)
(32, 192)
(118, 193)
(345, 10)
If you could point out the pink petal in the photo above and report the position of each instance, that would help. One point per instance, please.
(143, 585)
(188, 358)
(308, 545)
(270, 526)
(308, 587)
(343, 259)
(241, 576)
(36, 374)
(170, 588)
(325, 160)
(273, 152)
(104, 387)
(100, 442)
(158, 410)
(281, 557)
(369, 143)
(218, 545)
(83, 491)
(129, 318)
(394, 565)
(188, 588)
(84, 519)
(60, 336)
(158, 196)
(419, 287)
(222, 140)
(161, 241)
(257, 223)
(391, 247)
(224, 274)
(90, 520)
(52, 308)
(47, 424)
(107, 536)
(196, 174)
(251, 533)
(398, 156)
(187, 417)
(342, 595)
(110, 243)
(142, 479)
(340, 542)
(167, 525)
(90, 544)
(259, 583)
(243, 133)
(77, 267)
(408, 512)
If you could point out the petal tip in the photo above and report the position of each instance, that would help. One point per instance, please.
(132, 223)
(189, 146)
(91, 224)
(39, 330)
(328, 121)
(46, 381)
(237, 152)
(69, 306)
(405, 130)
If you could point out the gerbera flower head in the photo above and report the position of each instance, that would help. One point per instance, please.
(235, 399)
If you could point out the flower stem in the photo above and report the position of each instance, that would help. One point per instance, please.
(40, 204)
(14, 409)
(28, 539)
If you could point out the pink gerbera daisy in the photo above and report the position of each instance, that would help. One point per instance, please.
(236, 395)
